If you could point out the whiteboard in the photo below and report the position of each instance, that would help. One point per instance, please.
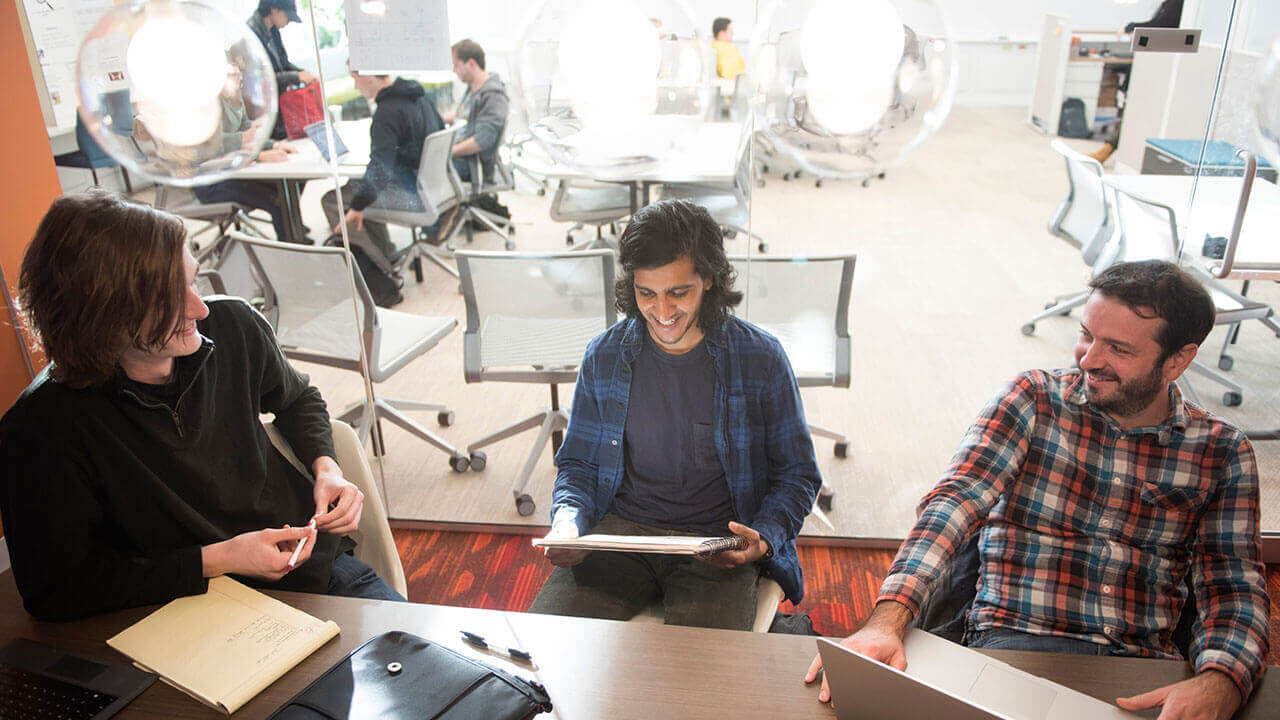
(56, 30)
(410, 36)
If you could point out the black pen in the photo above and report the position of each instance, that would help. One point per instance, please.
(479, 641)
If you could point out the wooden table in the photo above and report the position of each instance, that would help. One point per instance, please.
(592, 668)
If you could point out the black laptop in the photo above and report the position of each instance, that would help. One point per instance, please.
(38, 681)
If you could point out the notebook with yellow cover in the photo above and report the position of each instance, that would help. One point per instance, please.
(225, 646)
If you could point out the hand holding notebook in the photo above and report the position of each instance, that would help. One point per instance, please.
(659, 544)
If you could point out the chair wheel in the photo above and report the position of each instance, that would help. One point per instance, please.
(817, 183)
(478, 460)
(1049, 304)
(568, 239)
(1225, 362)
(1232, 399)
(510, 245)
(866, 182)
(542, 192)
(730, 234)
(786, 177)
(825, 498)
(842, 449)
(459, 463)
(525, 505)
(1029, 329)
(763, 247)
(445, 418)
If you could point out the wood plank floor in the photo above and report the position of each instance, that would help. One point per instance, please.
(953, 257)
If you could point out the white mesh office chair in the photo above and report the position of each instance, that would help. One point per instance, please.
(729, 205)
(1083, 219)
(375, 545)
(589, 202)
(502, 180)
(309, 304)
(438, 190)
(529, 319)
(804, 302)
(1148, 230)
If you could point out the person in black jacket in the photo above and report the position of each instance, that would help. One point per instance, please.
(403, 118)
(135, 465)
(265, 23)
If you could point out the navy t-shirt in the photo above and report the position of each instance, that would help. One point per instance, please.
(673, 478)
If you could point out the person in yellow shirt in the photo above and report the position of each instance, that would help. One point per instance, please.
(729, 61)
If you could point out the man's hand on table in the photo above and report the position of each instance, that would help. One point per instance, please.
(879, 639)
(1210, 695)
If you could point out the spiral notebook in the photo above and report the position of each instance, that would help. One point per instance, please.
(659, 544)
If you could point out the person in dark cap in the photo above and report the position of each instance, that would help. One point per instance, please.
(265, 23)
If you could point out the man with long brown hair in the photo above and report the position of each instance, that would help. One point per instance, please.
(135, 464)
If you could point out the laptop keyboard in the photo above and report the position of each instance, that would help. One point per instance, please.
(29, 696)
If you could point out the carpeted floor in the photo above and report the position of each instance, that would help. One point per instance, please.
(503, 572)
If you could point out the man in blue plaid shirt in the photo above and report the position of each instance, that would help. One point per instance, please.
(686, 421)
(1098, 497)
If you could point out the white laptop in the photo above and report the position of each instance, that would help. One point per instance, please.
(946, 680)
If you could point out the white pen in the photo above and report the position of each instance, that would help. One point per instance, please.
(293, 559)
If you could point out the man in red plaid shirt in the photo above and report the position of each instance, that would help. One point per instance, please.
(1099, 497)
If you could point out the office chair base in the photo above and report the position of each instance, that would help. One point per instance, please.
(551, 421)
(1235, 393)
(358, 417)
(1062, 307)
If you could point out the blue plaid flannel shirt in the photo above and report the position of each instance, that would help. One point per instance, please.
(761, 436)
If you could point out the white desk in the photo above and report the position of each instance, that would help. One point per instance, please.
(308, 164)
(709, 154)
(1213, 211)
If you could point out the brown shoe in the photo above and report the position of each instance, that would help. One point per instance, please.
(1102, 153)
(445, 225)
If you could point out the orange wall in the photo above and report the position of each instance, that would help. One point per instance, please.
(28, 182)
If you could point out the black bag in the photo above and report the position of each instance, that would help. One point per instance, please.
(397, 676)
(1072, 122)
(383, 288)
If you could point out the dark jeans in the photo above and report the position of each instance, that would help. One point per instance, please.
(617, 585)
(256, 194)
(352, 578)
(1006, 639)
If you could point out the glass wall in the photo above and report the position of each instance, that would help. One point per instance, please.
(924, 147)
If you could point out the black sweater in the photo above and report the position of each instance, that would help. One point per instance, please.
(108, 493)
(404, 117)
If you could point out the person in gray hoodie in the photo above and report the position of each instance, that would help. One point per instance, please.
(484, 106)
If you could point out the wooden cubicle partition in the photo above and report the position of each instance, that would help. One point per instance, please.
(28, 183)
